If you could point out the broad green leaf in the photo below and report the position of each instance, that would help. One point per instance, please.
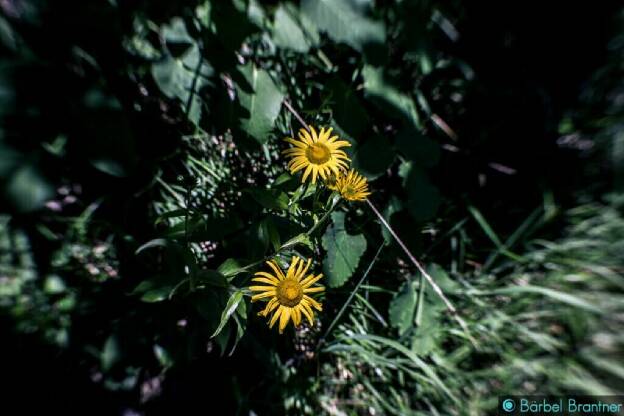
(262, 104)
(163, 356)
(388, 97)
(157, 294)
(230, 308)
(269, 198)
(344, 22)
(441, 277)
(343, 251)
(230, 268)
(394, 205)
(269, 233)
(417, 147)
(211, 278)
(373, 157)
(110, 353)
(182, 73)
(290, 33)
(403, 307)
(27, 189)
(423, 198)
(348, 112)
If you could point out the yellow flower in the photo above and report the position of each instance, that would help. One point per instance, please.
(319, 154)
(331, 182)
(352, 186)
(288, 293)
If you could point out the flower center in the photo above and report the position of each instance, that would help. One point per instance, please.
(318, 153)
(348, 191)
(289, 292)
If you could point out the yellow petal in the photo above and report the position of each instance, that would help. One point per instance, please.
(262, 295)
(268, 280)
(313, 289)
(310, 280)
(312, 302)
(278, 272)
(276, 315)
(284, 318)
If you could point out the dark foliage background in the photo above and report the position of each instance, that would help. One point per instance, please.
(490, 132)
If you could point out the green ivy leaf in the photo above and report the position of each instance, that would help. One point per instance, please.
(343, 22)
(182, 73)
(403, 307)
(343, 251)
(262, 104)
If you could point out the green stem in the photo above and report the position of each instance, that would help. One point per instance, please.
(335, 200)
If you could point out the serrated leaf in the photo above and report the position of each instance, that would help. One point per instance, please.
(230, 308)
(403, 307)
(262, 103)
(344, 22)
(343, 251)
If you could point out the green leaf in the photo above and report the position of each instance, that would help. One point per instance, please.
(230, 308)
(417, 147)
(373, 157)
(550, 293)
(110, 353)
(27, 189)
(268, 233)
(394, 205)
(388, 97)
(288, 30)
(403, 307)
(183, 73)
(157, 294)
(157, 242)
(269, 198)
(423, 198)
(347, 110)
(262, 103)
(230, 268)
(343, 251)
(343, 22)
(211, 278)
